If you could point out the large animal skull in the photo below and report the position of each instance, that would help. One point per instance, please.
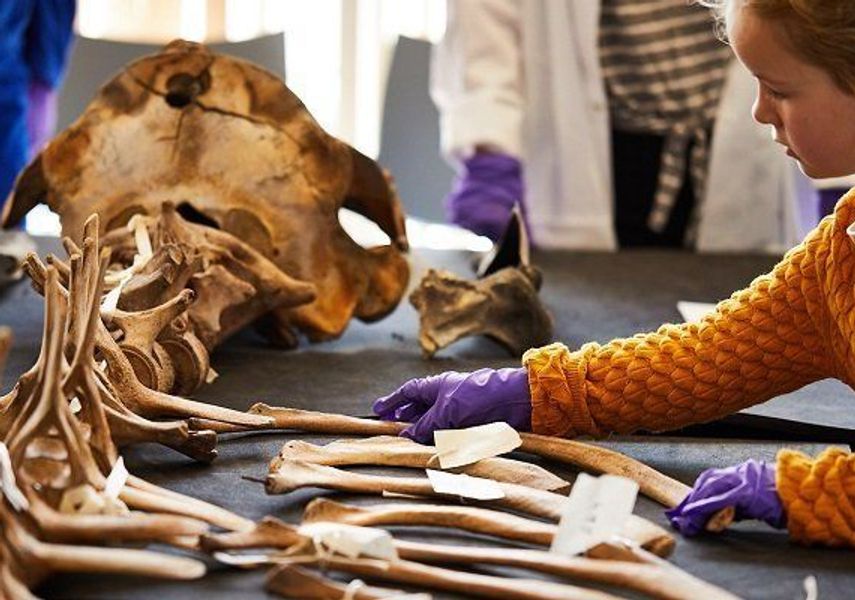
(235, 149)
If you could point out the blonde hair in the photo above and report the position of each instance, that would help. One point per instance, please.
(822, 32)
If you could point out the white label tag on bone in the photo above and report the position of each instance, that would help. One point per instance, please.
(75, 405)
(596, 510)
(351, 541)
(464, 486)
(116, 480)
(459, 447)
(243, 560)
(811, 588)
(8, 485)
(111, 300)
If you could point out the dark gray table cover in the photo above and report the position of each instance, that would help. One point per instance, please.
(592, 296)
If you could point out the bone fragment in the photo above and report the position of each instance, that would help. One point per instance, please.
(290, 581)
(503, 306)
(402, 452)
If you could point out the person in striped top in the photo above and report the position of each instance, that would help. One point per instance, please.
(616, 123)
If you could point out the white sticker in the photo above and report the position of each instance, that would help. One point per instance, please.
(243, 560)
(75, 405)
(8, 485)
(596, 511)
(116, 480)
(350, 541)
(694, 312)
(811, 588)
(464, 486)
(459, 447)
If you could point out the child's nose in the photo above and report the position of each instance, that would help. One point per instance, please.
(764, 112)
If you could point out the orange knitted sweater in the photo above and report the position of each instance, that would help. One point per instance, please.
(790, 327)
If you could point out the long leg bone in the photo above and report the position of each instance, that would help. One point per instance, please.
(292, 475)
(655, 485)
(401, 452)
(482, 521)
(468, 518)
(471, 584)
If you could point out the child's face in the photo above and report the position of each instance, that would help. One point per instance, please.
(810, 115)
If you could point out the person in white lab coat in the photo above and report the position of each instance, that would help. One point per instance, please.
(617, 123)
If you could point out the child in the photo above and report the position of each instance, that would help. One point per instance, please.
(790, 327)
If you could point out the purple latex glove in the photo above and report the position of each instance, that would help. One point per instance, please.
(41, 115)
(748, 486)
(455, 400)
(485, 193)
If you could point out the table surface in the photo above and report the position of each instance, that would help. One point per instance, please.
(591, 296)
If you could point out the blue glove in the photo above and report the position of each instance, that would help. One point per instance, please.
(749, 487)
(485, 193)
(456, 400)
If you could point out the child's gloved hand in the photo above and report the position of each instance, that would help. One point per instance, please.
(455, 400)
(485, 193)
(749, 487)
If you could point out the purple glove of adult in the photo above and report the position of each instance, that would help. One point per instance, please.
(41, 115)
(749, 487)
(485, 193)
(455, 400)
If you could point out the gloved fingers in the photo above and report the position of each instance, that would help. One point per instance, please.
(410, 412)
(421, 431)
(423, 390)
(386, 406)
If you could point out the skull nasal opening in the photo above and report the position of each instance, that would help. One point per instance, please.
(190, 213)
(182, 89)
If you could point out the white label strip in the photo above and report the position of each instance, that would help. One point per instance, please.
(8, 484)
(693, 312)
(351, 541)
(596, 510)
(464, 486)
(459, 447)
(116, 480)
(243, 560)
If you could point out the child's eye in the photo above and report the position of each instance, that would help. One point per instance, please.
(776, 94)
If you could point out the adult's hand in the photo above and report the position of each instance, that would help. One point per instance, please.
(455, 400)
(749, 487)
(485, 192)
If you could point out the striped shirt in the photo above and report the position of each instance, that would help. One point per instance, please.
(664, 71)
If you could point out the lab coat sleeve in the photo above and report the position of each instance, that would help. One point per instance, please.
(48, 38)
(477, 77)
(790, 327)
